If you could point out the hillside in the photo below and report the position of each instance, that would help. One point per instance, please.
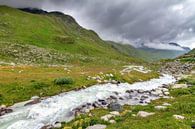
(188, 57)
(131, 51)
(192, 51)
(145, 53)
(157, 53)
(51, 38)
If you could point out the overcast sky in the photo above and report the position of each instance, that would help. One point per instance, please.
(152, 22)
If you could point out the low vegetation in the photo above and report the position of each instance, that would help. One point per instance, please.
(63, 81)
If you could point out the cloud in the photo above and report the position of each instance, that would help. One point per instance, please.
(129, 21)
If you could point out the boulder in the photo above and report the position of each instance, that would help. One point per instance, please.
(3, 106)
(166, 93)
(140, 91)
(144, 114)
(35, 98)
(115, 113)
(114, 82)
(98, 126)
(157, 92)
(57, 125)
(115, 107)
(177, 86)
(107, 117)
(166, 104)
(112, 121)
(160, 107)
(35, 101)
(178, 117)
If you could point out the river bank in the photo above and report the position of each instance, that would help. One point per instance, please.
(63, 107)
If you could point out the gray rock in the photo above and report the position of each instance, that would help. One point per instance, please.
(35, 98)
(144, 114)
(112, 121)
(57, 125)
(160, 107)
(166, 104)
(177, 86)
(115, 113)
(178, 117)
(115, 107)
(107, 117)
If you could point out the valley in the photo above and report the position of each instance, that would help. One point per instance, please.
(54, 73)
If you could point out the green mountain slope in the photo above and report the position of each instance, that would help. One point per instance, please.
(157, 54)
(188, 57)
(131, 51)
(192, 51)
(53, 33)
(147, 54)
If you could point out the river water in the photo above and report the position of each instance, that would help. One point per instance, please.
(59, 108)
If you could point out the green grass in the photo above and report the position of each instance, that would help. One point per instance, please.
(20, 83)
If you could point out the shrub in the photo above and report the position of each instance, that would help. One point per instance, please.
(65, 39)
(63, 81)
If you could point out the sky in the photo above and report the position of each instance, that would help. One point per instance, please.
(154, 23)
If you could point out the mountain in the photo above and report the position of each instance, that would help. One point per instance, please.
(188, 57)
(131, 51)
(192, 51)
(146, 53)
(36, 36)
(167, 52)
(32, 35)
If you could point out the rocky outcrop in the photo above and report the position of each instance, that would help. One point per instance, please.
(29, 54)
(176, 68)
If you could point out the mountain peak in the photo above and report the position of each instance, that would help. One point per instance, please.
(34, 10)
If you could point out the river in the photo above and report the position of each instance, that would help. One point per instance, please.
(59, 107)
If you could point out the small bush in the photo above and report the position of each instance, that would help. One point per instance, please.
(65, 39)
(63, 81)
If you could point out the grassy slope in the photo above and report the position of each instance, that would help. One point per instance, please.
(145, 54)
(53, 31)
(188, 57)
(131, 51)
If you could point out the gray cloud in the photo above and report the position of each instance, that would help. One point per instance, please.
(129, 21)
